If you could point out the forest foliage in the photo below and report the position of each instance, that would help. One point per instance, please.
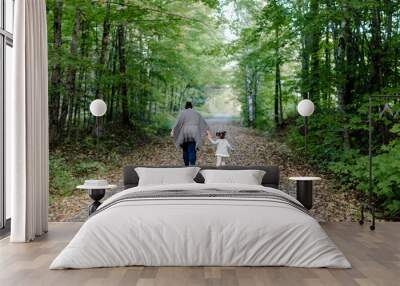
(335, 53)
(143, 58)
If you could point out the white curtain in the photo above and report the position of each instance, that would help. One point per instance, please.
(27, 124)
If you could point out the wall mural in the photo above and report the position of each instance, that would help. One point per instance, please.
(244, 66)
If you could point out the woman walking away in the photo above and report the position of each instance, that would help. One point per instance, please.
(188, 132)
(223, 147)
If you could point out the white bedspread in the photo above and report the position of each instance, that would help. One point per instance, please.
(200, 231)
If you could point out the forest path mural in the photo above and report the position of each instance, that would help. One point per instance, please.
(251, 148)
(252, 59)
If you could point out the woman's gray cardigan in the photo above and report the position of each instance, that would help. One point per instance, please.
(190, 126)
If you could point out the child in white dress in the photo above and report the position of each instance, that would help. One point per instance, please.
(223, 147)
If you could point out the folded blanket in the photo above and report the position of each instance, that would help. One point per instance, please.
(212, 193)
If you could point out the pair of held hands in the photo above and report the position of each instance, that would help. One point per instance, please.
(208, 134)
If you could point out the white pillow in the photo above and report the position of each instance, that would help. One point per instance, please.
(166, 176)
(247, 177)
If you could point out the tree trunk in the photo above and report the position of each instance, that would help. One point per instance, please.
(376, 49)
(104, 46)
(171, 100)
(70, 84)
(249, 97)
(255, 93)
(280, 101)
(343, 94)
(341, 68)
(84, 52)
(122, 74)
(277, 103)
(388, 50)
(55, 81)
(276, 95)
(304, 52)
(113, 59)
(314, 50)
(327, 73)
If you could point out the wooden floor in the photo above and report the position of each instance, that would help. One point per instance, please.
(375, 257)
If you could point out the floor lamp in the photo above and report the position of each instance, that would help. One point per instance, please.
(370, 204)
(305, 108)
(98, 108)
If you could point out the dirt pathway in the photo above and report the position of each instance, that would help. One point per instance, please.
(250, 149)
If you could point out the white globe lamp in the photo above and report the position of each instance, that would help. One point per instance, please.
(305, 107)
(98, 107)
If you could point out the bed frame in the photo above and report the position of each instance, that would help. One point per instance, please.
(270, 179)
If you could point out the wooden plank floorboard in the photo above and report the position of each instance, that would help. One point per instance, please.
(375, 257)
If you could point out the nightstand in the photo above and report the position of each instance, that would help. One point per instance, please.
(304, 187)
(96, 193)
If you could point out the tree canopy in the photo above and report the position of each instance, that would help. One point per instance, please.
(144, 58)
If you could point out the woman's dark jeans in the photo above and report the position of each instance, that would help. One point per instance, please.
(189, 153)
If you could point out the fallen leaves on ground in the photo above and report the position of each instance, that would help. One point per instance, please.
(330, 203)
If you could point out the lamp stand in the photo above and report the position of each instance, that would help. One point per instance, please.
(97, 136)
(305, 135)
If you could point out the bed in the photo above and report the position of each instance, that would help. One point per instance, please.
(201, 224)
